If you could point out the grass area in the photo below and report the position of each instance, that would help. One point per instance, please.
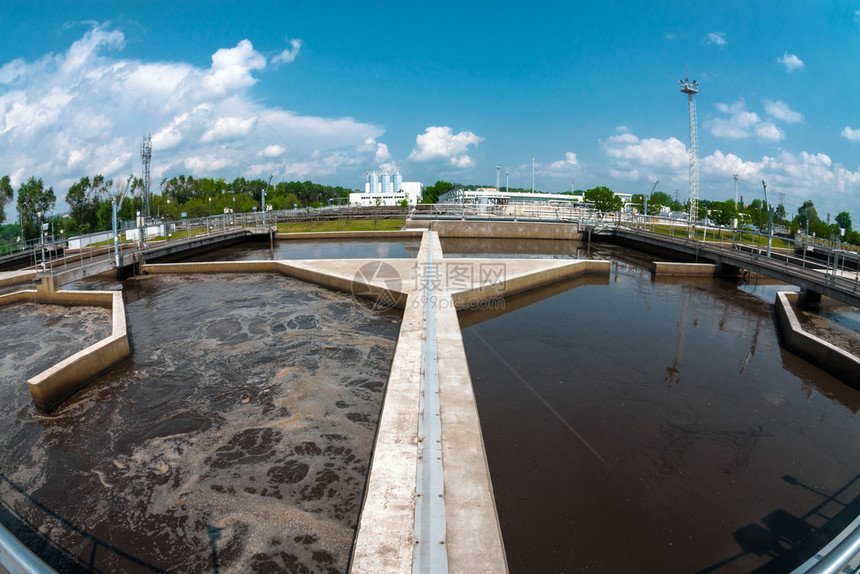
(339, 225)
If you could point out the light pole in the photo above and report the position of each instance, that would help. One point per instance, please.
(507, 180)
(498, 173)
(210, 207)
(41, 238)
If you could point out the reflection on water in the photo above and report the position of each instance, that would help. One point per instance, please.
(514, 248)
(238, 435)
(649, 426)
(317, 249)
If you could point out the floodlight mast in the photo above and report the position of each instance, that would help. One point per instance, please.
(691, 88)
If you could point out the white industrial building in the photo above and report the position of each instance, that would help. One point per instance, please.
(387, 189)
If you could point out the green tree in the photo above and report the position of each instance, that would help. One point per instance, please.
(33, 199)
(603, 199)
(432, 192)
(722, 212)
(84, 198)
(844, 220)
(806, 213)
(6, 193)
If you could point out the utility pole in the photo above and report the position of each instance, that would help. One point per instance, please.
(769, 219)
(533, 174)
(736, 189)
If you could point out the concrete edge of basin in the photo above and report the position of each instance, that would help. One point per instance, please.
(291, 268)
(688, 269)
(54, 385)
(391, 234)
(17, 277)
(835, 360)
(520, 284)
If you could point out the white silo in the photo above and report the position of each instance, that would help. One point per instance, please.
(398, 182)
(374, 183)
(386, 183)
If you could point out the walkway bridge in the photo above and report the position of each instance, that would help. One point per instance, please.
(833, 277)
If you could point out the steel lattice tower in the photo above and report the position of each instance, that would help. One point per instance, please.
(145, 159)
(691, 89)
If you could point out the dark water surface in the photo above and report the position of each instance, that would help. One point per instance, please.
(316, 249)
(236, 439)
(642, 426)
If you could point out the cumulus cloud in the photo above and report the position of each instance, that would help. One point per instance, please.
(718, 39)
(851, 134)
(83, 111)
(634, 161)
(289, 54)
(742, 123)
(781, 111)
(791, 62)
(440, 142)
(568, 162)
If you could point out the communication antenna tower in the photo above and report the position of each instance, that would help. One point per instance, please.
(145, 159)
(734, 175)
(691, 88)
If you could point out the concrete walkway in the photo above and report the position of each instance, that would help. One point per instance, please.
(429, 504)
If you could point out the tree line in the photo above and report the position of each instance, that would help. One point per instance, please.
(90, 201)
(754, 215)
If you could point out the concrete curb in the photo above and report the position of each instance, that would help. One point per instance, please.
(520, 282)
(16, 277)
(688, 269)
(498, 229)
(407, 233)
(54, 385)
(836, 361)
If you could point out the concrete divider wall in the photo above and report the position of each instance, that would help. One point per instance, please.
(519, 284)
(54, 385)
(16, 277)
(499, 229)
(828, 357)
(405, 233)
(329, 280)
(690, 269)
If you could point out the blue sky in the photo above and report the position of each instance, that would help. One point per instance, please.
(439, 90)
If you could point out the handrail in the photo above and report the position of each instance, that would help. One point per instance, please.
(838, 554)
(17, 558)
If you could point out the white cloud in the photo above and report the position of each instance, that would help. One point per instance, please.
(716, 38)
(231, 68)
(289, 54)
(781, 111)
(742, 124)
(440, 142)
(84, 111)
(568, 161)
(800, 176)
(791, 62)
(273, 151)
(851, 134)
(627, 149)
(228, 128)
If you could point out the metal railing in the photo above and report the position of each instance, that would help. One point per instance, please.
(17, 558)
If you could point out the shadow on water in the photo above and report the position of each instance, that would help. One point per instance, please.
(57, 554)
(790, 540)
